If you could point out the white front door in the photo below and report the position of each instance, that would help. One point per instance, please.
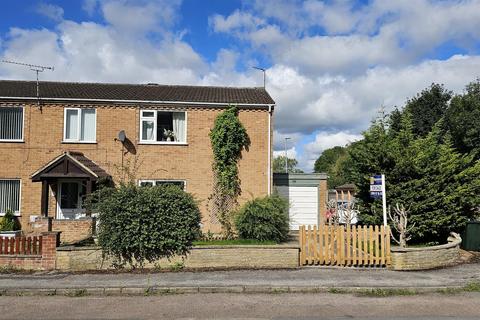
(69, 199)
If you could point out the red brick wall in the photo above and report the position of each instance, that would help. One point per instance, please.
(45, 261)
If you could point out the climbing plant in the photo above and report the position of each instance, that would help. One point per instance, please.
(228, 138)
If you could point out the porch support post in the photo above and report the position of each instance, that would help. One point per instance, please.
(44, 202)
(89, 190)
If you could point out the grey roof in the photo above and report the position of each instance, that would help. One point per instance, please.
(134, 92)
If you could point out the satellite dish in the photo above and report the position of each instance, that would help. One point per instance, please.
(122, 136)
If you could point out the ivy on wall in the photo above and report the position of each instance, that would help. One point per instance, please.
(228, 138)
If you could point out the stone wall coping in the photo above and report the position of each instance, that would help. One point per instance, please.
(432, 248)
(21, 256)
(276, 247)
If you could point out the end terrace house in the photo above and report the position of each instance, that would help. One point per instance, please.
(60, 140)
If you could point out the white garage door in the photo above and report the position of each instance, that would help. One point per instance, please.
(303, 205)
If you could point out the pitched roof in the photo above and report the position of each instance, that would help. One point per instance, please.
(84, 167)
(134, 92)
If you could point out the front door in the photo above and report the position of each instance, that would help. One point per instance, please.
(69, 200)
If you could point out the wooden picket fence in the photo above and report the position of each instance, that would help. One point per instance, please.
(21, 245)
(345, 245)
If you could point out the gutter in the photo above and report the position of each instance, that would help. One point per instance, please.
(269, 106)
(269, 157)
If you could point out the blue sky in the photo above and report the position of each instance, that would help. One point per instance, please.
(330, 64)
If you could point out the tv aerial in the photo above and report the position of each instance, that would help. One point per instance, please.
(35, 68)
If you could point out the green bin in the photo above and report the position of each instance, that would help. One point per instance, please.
(471, 236)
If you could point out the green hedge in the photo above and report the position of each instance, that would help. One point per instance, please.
(264, 219)
(138, 224)
(9, 222)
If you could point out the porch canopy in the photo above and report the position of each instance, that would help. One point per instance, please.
(69, 165)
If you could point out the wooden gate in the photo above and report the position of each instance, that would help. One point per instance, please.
(344, 245)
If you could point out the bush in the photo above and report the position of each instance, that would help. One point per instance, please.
(9, 222)
(138, 224)
(264, 219)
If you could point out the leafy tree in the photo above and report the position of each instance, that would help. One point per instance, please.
(334, 162)
(427, 108)
(435, 182)
(462, 120)
(138, 224)
(279, 165)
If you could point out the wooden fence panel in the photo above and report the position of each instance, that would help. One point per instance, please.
(21, 245)
(338, 245)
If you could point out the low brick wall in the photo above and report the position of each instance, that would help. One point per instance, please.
(267, 257)
(72, 230)
(46, 260)
(427, 257)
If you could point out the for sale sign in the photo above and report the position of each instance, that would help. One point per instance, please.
(376, 186)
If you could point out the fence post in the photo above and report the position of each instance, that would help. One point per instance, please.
(50, 240)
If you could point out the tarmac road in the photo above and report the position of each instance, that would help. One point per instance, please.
(243, 306)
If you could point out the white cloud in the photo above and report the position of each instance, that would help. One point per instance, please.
(90, 6)
(51, 11)
(291, 153)
(323, 141)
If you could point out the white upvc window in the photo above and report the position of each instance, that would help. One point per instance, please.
(163, 127)
(156, 182)
(11, 124)
(10, 195)
(80, 125)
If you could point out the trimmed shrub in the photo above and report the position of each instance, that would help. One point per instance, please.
(138, 224)
(9, 222)
(264, 219)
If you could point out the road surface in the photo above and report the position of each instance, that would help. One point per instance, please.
(243, 306)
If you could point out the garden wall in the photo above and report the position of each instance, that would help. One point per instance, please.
(25, 255)
(72, 230)
(266, 257)
(426, 257)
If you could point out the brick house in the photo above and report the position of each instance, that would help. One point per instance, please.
(58, 142)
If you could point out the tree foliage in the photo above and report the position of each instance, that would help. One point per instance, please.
(279, 165)
(264, 219)
(335, 163)
(228, 138)
(138, 224)
(426, 168)
(427, 108)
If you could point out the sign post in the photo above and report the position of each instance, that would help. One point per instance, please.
(377, 191)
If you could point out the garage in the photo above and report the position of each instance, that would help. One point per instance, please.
(306, 194)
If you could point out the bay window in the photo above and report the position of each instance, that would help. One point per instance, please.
(11, 123)
(80, 125)
(163, 126)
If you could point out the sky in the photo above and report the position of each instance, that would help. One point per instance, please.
(330, 65)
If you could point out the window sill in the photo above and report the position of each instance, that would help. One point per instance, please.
(164, 143)
(15, 214)
(12, 141)
(79, 142)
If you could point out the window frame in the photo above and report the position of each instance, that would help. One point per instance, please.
(22, 139)
(19, 212)
(156, 111)
(79, 126)
(140, 181)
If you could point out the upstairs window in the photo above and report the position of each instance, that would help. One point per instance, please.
(162, 126)
(11, 124)
(150, 183)
(80, 125)
(9, 196)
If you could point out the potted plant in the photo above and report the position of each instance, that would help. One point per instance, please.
(9, 226)
(169, 135)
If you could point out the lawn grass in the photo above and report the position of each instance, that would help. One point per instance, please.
(232, 242)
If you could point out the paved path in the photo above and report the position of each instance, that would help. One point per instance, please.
(244, 306)
(314, 277)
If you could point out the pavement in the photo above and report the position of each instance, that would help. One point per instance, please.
(308, 279)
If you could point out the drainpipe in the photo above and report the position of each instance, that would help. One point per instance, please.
(269, 158)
